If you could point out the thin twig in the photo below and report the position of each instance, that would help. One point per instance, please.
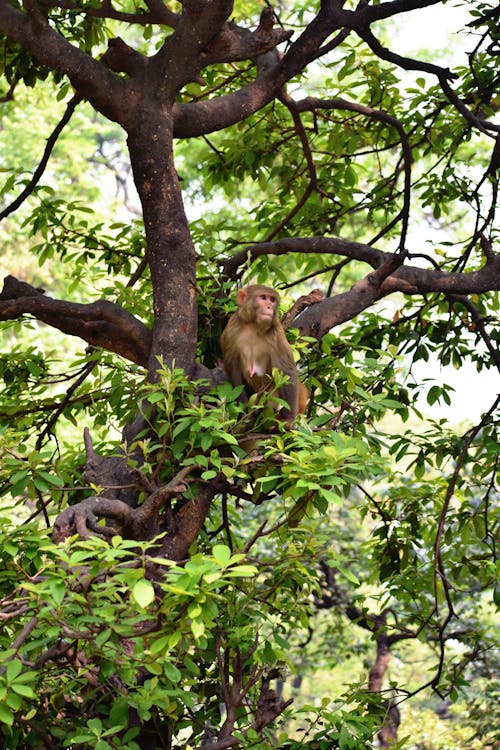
(51, 141)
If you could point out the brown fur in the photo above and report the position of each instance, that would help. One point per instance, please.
(254, 342)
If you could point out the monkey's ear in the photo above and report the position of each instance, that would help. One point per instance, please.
(242, 296)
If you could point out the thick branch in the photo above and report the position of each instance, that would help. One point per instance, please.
(83, 519)
(386, 278)
(231, 268)
(178, 61)
(189, 518)
(102, 324)
(301, 304)
(120, 484)
(201, 118)
(90, 77)
(235, 44)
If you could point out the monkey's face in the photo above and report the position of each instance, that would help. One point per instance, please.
(265, 306)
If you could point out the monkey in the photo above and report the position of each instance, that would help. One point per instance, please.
(254, 342)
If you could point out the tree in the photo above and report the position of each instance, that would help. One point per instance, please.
(166, 607)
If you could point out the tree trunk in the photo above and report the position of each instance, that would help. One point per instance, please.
(170, 249)
(388, 734)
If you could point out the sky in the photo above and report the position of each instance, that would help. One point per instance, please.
(474, 392)
(433, 28)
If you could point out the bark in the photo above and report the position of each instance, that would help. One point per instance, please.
(186, 506)
(170, 249)
(101, 324)
(388, 734)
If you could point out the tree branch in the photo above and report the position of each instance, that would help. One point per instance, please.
(235, 44)
(301, 304)
(312, 103)
(390, 275)
(201, 118)
(117, 502)
(91, 78)
(443, 75)
(188, 518)
(231, 268)
(51, 141)
(102, 323)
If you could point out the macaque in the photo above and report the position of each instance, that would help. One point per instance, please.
(254, 342)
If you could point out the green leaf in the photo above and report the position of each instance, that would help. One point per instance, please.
(23, 690)
(242, 571)
(209, 474)
(143, 593)
(14, 668)
(348, 574)
(51, 478)
(79, 739)
(119, 713)
(198, 628)
(171, 671)
(14, 701)
(222, 554)
(57, 591)
(6, 715)
(174, 589)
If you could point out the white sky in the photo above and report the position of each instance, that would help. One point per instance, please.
(436, 27)
(474, 392)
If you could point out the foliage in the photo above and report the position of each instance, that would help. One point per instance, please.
(232, 581)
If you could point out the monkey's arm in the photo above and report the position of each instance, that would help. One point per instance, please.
(289, 392)
(230, 352)
(293, 392)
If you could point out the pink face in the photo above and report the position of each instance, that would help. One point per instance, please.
(266, 304)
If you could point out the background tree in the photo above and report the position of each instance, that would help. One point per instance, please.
(314, 153)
